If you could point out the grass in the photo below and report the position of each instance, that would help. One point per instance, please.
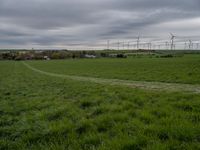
(179, 69)
(42, 112)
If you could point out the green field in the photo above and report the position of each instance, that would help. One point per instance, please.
(39, 111)
(181, 69)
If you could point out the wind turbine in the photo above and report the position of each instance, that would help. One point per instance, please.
(172, 40)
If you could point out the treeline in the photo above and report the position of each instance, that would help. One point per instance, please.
(66, 54)
(53, 54)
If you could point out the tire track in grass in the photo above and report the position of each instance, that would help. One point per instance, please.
(160, 86)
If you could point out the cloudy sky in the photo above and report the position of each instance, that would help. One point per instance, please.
(76, 23)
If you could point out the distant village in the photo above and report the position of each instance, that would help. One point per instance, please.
(54, 54)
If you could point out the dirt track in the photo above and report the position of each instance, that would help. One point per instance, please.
(161, 86)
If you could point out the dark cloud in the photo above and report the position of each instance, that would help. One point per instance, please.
(51, 23)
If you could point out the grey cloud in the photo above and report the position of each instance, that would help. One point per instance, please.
(88, 20)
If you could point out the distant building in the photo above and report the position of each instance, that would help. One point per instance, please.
(46, 58)
(90, 56)
(28, 57)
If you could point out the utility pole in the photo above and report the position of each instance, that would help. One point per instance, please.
(108, 44)
(159, 46)
(128, 45)
(190, 44)
(138, 42)
(166, 45)
(118, 45)
(185, 47)
(172, 41)
(197, 46)
(149, 46)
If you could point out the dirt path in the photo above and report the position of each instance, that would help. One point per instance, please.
(161, 86)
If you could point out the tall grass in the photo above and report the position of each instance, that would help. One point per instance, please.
(41, 112)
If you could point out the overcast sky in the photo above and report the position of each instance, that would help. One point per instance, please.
(64, 23)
